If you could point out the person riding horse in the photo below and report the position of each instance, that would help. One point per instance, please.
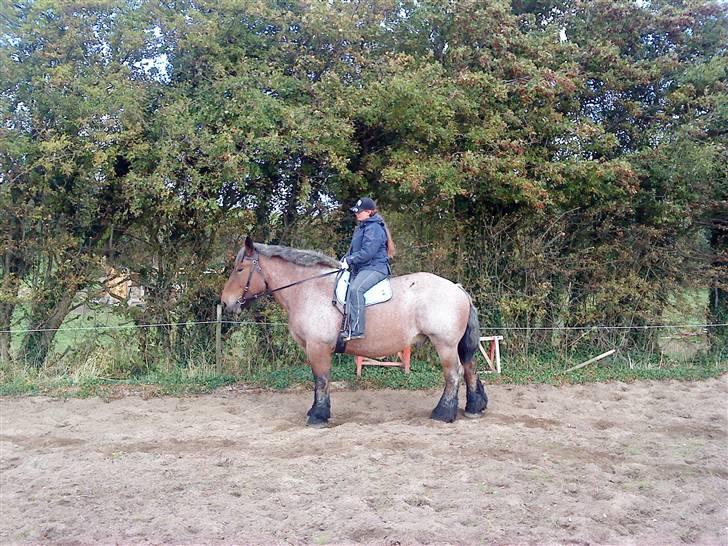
(422, 306)
(368, 260)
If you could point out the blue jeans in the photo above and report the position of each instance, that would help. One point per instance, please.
(363, 281)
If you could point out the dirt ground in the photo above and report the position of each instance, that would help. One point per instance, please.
(638, 463)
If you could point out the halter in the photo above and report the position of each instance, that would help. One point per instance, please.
(243, 299)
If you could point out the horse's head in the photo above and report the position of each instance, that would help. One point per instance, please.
(246, 282)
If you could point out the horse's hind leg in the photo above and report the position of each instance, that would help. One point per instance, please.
(320, 412)
(477, 400)
(447, 408)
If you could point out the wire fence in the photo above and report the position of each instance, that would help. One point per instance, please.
(263, 323)
(244, 347)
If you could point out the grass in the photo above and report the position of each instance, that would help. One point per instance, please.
(425, 374)
(159, 383)
(551, 368)
(545, 368)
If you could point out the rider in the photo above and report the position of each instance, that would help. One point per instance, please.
(368, 258)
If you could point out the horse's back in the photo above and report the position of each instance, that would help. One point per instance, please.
(435, 303)
(423, 284)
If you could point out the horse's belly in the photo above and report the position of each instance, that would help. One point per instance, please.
(390, 327)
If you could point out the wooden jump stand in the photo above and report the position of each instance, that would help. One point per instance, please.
(492, 357)
(404, 361)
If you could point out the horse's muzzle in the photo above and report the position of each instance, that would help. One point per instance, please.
(233, 306)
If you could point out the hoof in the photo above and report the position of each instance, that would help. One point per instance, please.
(319, 414)
(318, 417)
(316, 424)
(477, 401)
(446, 410)
(473, 415)
(444, 416)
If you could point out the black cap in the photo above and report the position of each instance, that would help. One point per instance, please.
(364, 204)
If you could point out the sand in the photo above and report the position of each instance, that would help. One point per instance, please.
(607, 463)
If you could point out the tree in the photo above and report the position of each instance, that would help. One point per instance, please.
(73, 112)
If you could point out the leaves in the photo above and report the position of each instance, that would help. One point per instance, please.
(157, 134)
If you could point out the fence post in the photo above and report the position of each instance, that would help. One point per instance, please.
(218, 340)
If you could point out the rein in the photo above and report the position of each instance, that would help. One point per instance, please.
(242, 300)
(304, 280)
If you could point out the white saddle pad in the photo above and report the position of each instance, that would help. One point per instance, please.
(379, 293)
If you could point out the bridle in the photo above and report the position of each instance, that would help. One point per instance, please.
(243, 299)
(255, 260)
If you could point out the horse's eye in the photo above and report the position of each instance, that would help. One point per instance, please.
(240, 270)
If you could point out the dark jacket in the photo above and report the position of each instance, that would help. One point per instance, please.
(369, 246)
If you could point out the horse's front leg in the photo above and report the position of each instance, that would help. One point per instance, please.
(320, 359)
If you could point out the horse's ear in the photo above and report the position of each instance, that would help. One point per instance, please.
(249, 248)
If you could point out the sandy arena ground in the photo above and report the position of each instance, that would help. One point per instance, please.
(639, 463)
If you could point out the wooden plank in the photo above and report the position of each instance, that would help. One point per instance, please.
(497, 356)
(404, 361)
(591, 360)
(485, 355)
(371, 362)
(492, 359)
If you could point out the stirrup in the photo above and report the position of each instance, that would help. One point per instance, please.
(340, 343)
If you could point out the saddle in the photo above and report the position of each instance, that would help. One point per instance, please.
(379, 293)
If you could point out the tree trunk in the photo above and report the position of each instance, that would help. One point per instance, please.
(560, 303)
(45, 319)
(6, 315)
(718, 307)
(12, 271)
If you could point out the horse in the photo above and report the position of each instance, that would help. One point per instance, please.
(423, 306)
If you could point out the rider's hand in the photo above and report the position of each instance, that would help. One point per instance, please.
(344, 264)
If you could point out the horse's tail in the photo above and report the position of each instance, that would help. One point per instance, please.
(468, 344)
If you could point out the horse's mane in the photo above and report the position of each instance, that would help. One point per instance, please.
(306, 258)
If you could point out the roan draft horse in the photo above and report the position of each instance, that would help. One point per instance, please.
(423, 305)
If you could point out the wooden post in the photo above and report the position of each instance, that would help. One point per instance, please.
(497, 355)
(218, 340)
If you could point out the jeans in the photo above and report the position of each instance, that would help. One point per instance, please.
(363, 281)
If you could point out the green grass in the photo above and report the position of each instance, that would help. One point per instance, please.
(545, 368)
(424, 375)
(552, 370)
(92, 377)
(159, 383)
